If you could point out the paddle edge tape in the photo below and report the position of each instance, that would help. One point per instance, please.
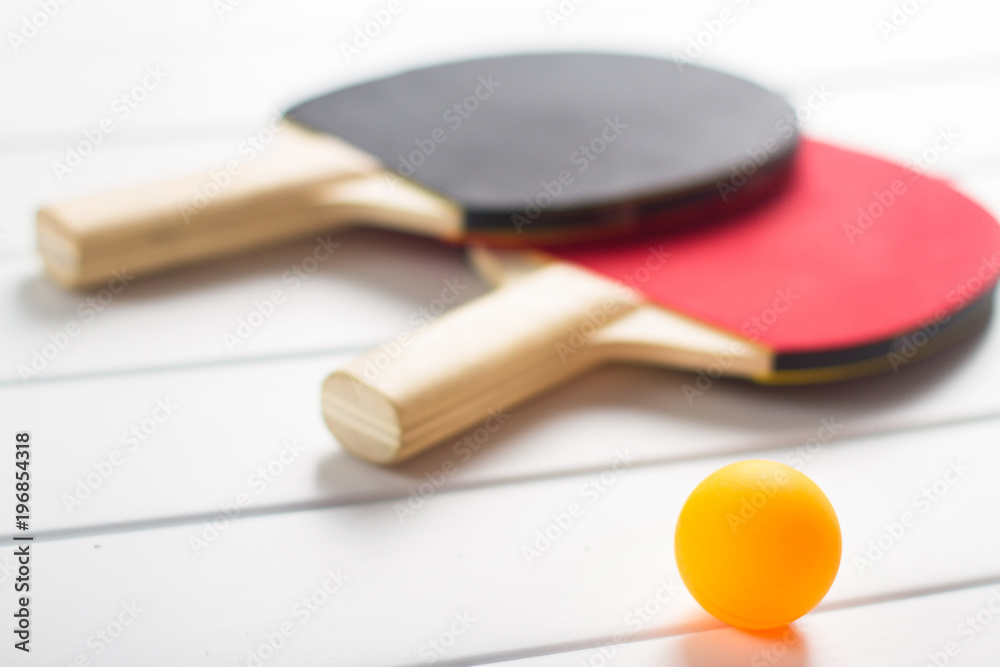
(882, 356)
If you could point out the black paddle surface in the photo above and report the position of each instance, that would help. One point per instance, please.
(564, 146)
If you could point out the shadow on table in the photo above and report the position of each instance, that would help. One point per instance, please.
(785, 646)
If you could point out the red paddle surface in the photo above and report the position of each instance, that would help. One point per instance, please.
(856, 250)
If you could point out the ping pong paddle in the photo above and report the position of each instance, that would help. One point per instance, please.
(859, 266)
(523, 149)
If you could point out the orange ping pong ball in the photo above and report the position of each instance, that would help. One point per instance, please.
(757, 544)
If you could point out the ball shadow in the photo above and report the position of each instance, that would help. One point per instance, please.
(782, 647)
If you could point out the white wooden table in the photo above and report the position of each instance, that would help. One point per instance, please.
(230, 529)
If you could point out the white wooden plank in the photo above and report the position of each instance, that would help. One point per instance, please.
(913, 631)
(783, 40)
(941, 127)
(234, 417)
(261, 54)
(127, 456)
(320, 297)
(462, 553)
(79, 56)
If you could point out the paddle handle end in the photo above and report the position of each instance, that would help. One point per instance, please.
(472, 365)
(245, 204)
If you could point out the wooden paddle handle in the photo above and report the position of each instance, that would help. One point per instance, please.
(251, 202)
(473, 363)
